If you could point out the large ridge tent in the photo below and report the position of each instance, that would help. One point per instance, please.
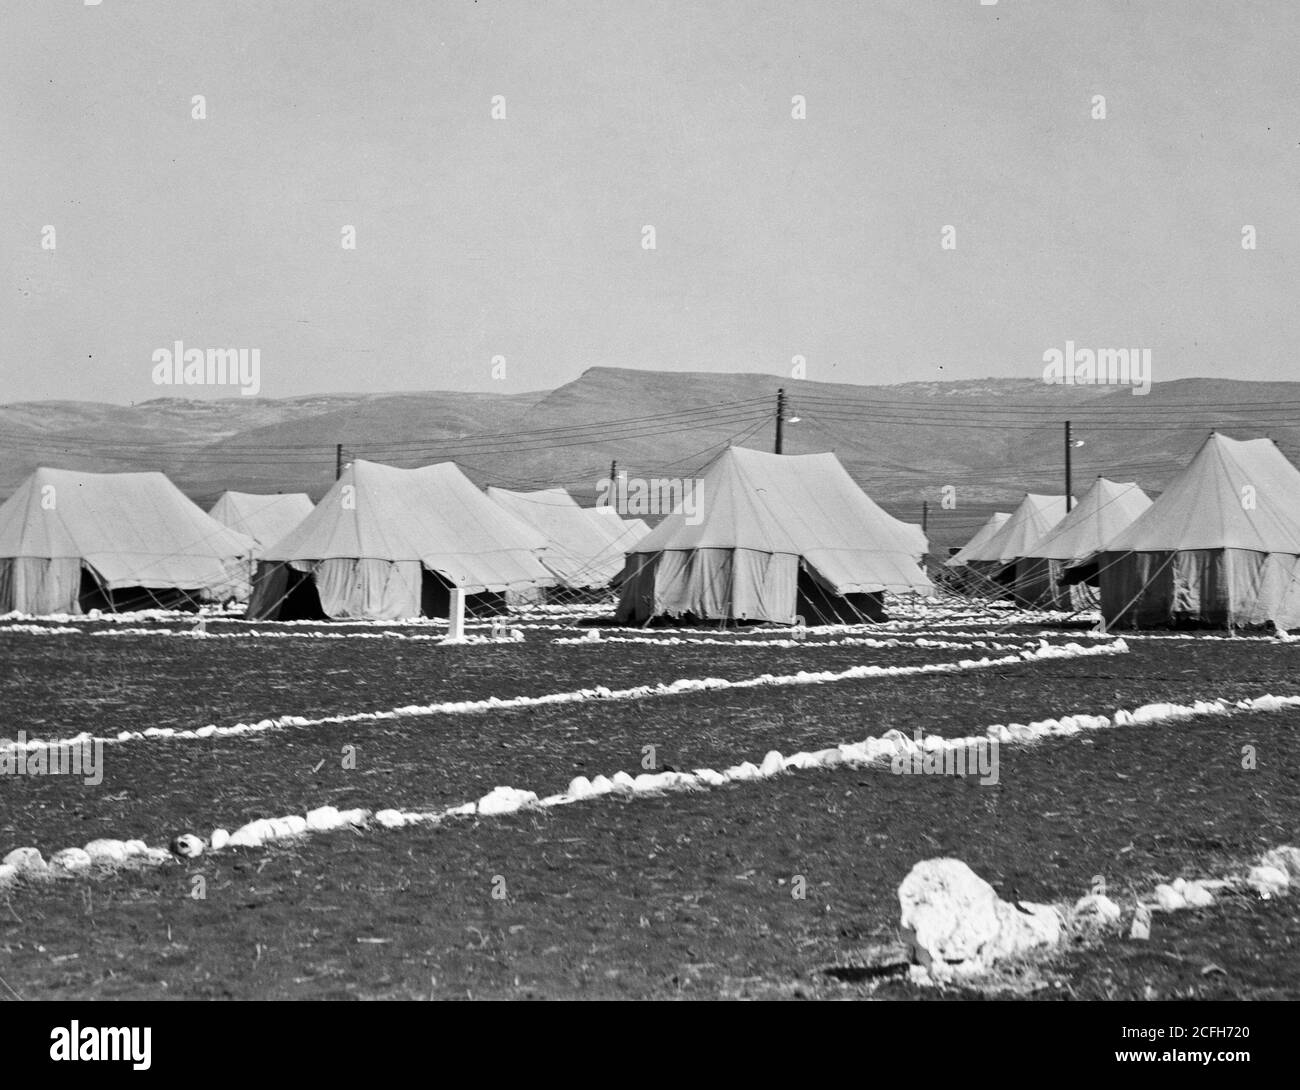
(1001, 560)
(266, 519)
(1221, 545)
(771, 538)
(71, 542)
(980, 537)
(387, 544)
(1104, 511)
(579, 551)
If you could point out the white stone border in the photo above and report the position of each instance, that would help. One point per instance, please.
(600, 692)
(506, 800)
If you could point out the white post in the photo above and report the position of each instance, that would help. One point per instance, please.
(456, 614)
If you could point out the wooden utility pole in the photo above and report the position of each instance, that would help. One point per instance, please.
(780, 421)
(1068, 445)
(338, 460)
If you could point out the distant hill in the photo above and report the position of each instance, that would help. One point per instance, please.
(990, 440)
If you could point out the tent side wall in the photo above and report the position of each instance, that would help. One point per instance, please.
(711, 584)
(1218, 587)
(40, 585)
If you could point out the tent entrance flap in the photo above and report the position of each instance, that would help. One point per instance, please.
(818, 604)
(435, 599)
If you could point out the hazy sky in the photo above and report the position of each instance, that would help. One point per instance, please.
(522, 237)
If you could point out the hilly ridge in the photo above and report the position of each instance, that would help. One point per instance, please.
(990, 440)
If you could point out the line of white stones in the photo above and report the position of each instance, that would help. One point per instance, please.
(506, 800)
(599, 692)
(848, 641)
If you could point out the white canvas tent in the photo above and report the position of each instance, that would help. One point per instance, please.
(266, 519)
(388, 543)
(1001, 560)
(1105, 510)
(774, 537)
(979, 539)
(74, 541)
(580, 551)
(1221, 545)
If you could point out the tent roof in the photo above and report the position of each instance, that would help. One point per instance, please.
(1024, 529)
(134, 529)
(990, 527)
(1205, 506)
(1105, 510)
(265, 519)
(806, 505)
(433, 514)
(625, 533)
(580, 550)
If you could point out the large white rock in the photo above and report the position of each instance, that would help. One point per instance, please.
(220, 839)
(8, 872)
(954, 922)
(25, 859)
(505, 800)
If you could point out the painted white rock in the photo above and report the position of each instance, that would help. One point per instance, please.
(291, 825)
(623, 782)
(157, 856)
(390, 819)
(579, 787)
(251, 835)
(1268, 881)
(954, 922)
(710, 776)
(1141, 928)
(742, 773)
(1096, 910)
(70, 859)
(1169, 899)
(772, 764)
(25, 859)
(8, 872)
(107, 851)
(1197, 896)
(601, 785)
(505, 800)
(220, 839)
(355, 817)
(323, 818)
(651, 783)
